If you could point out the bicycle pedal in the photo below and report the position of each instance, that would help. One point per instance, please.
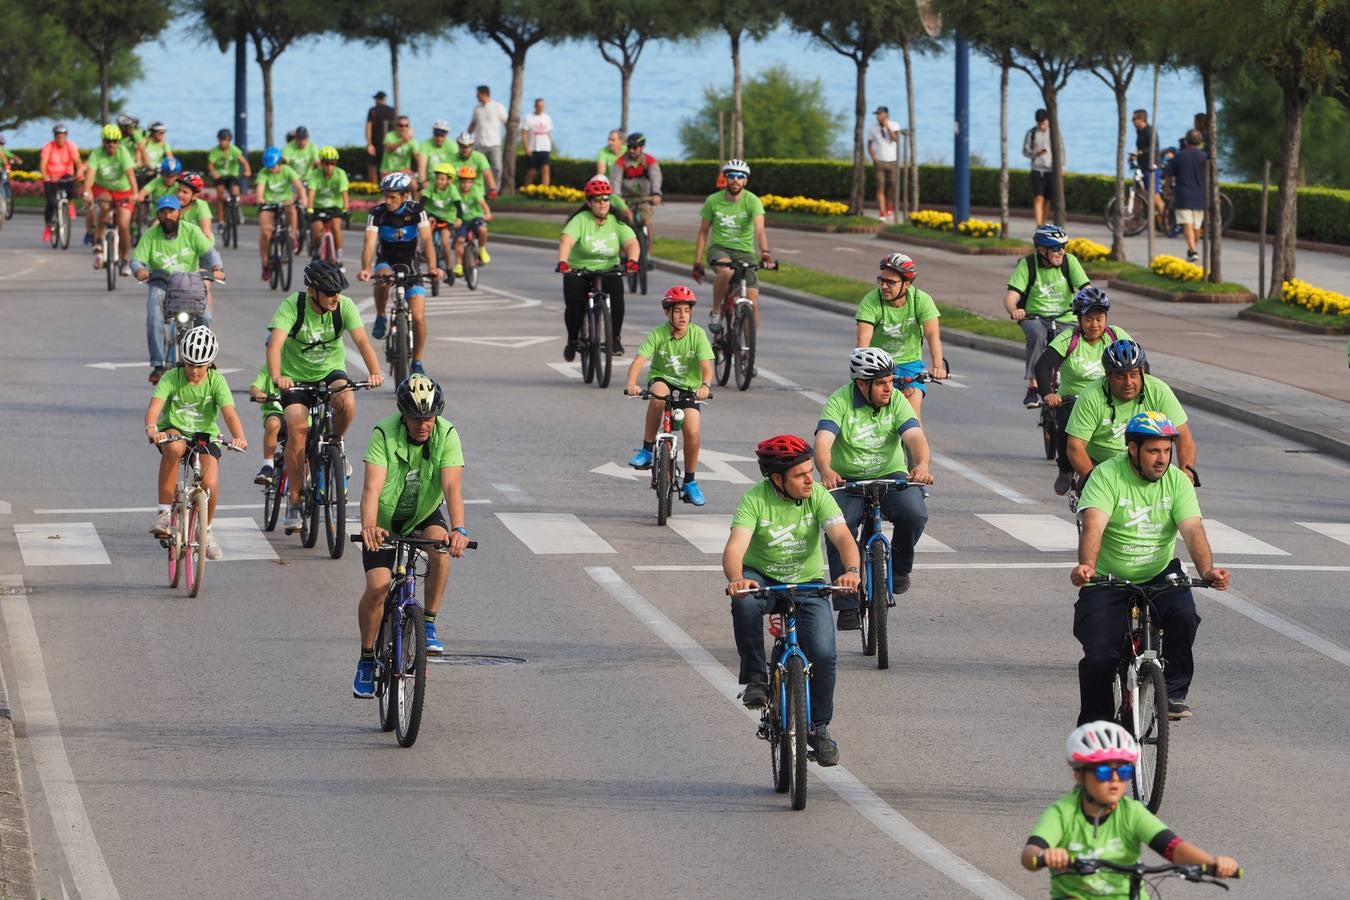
(764, 733)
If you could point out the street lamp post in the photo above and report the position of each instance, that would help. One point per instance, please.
(961, 169)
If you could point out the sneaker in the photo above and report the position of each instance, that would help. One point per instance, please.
(1178, 708)
(264, 476)
(292, 521)
(417, 368)
(899, 584)
(160, 528)
(1174, 231)
(694, 494)
(46, 233)
(125, 270)
(89, 240)
(377, 329)
(459, 271)
(213, 550)
(825, 747)
(1032, 400)
(98, 258)
(156, 374)
(1063, 481)
(848, 620)
(642, 458)
(618, 348)
(714, 325)
(434, 645)
(755, 695)
(266, 274)
(570, 351)
(483, 256)
(1192, 256)
(363, 685)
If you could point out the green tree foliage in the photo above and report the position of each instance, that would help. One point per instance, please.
(1251, 134)
(740, 20)
(784, 117)
(394, 24)
(621, 30)
(105, 29)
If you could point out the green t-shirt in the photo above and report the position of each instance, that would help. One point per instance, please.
(597, 244)
(158, 187)
(676, 360)
(447, 152)
(477, 158)
(316, 349)
(1141, 533)
(396, 158)
(441, 204)
(155, 151)
(733, 223)
(181, 253)
(192, 408)
(471, 204)
(1084, 365)
(110, 169)
(302, 159)
(606, 157)
(263, 382)
(617, 204)
(898, 329)
(275, 185)
(196, 213)
(1102, 423)
(1118, 839)
(785, 539)
(412, 485)
(326, 192)
(226, 162)
(867, 440)
(1051, 295)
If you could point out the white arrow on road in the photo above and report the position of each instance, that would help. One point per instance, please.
(713, 466)
(615, 470)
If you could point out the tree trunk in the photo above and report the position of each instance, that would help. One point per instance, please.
(913, 135)
(1213, 221)
(625, 85)
(509, 150)
(1004, 66)
(858, 187)
(1051, 95)
(266, 66)
(1118, 227)
(393, 72)
(1286, 211)
(737, 129)
(103, 98)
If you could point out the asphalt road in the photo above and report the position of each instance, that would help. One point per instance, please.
(211, 748)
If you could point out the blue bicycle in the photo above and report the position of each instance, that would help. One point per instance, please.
(401, 642)
(786, 720)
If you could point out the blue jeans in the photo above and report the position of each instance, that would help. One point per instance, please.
(815, 634)
(905, 509)
(161, 357)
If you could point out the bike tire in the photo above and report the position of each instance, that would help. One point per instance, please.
(310, 498)
(5, 206)
(1136, 215)
(335, 504)
(63, 221)
(797, 730)
(175, 548)
(471, 267)
(273, 264)
(273, 493)
(642, 273)
(1225, 211)
(440, 264)
(411, 677)
(386, 703)
(400, 348)
(631, 278)
(1151, 768)
(878, 566)
(727, 356)
(110, 259)
(1049, 430)
(195, 561)
(663, 470)
(287, 263)
(604, 361)
(589, 340)
(778, 749)
(745, 349)
(866, 633)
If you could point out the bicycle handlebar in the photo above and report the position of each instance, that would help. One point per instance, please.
(675, 393)
(1190, 871)
(807, 588)
(1173, 581)
(220, 439)
(861, 483)
(743, 266)
(391, 542)
(591, 273)
(402, 277)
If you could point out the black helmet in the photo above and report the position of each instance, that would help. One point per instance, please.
(301, 132)
(1088, 299)
(1123, 356)
(224, 134)
(420, 397)
(325, 277)
(637, 139)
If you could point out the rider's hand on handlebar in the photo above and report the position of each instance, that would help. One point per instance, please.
(458, 544)
(563, 267)
(849, 580)
(239, 443)
(631, 266)
(363, 275)
(372, 536)
(1218, 578)
(284, 384)
(696, 273)
(1081, 574)
(142, 275)
(766, 262)
(1055, 857)
(255, 393)
(702, 393)
(741, 584)
(1226, 866)
(830, 478)
(375, 379)
(1052, 400)
(632, 389)
(153, 434)
(920, 475)
(940, 372)
(218, 274)
(1018, 315)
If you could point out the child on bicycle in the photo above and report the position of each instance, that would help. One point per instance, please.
(1096, 820)
(440, 200)
(681, 359)
(474, 216)
(273, 419)
(187, 401)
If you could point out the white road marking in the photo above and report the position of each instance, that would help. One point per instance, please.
(775, 378)
(110, 366)
(1046, 533)
(714, 465)
(5, 508)
(814, 397)
(554, 533)
(980, 478)
(614, 470)
(99, 510)
(1062, 564)
(567, 369)
(844, 783)
(930, 544)
(708, 533)
(513, 493)
(1226, 539)
(61, 544)
(43, 734)
(509, 342)
(1337, 531)
(845, 249)
(1241, 605)
(241, 538)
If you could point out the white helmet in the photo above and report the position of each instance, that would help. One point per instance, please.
(396, 181)
(738, 166)
(465, 139)
(870, 362)
(199, 346)
(1098, 742)
(441, 125)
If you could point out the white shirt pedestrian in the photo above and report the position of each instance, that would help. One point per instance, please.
(538, 128)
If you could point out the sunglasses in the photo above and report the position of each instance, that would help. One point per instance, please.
(735, 176)
(1103, 772)
(602, 199)
(889, 282)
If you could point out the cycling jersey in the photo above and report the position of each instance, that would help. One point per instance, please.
(196, 213)
(154, 152)
(158, 187)
(226, 162)
(785, 534)
(192, 408)
(676, 360)
(442, 204)
(316, 349)
(1117, 837)
(397, 231)
(1084, 365)
(867, 440)
(304, 160)
(412, 485)
(733, 222)
(1051, 291)
(598, 244)
(326, 192)
(181, 253)
(57, 162)
(1100, 419)
(110, 169)
(637, 178)
(276, 185)
(447, 152)
(898, 329)
(263, 382)
(397, 158)
(1141, 531)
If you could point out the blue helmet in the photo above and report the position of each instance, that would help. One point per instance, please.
(1123, 356)
(1050, 236)
(1150, 425)
(271, 156)
(170, 166)
(1090, 298)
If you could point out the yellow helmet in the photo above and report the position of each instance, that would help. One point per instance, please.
(328, 153)
(112, 133)
(468, 172)
(444, 169)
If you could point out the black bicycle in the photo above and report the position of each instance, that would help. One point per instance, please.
(325, 471)
(398, 339)
(637, 280)
(230, 222)
(1196, 873)
(734, 332)
(1139, 202)
(596, 346)
(280, 251)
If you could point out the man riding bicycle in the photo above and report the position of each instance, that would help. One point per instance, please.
(735, 219)
(867, 429)
(301, 154)
(110, 180)
(414, 462)
(1040, 292)
(393, 230)
(775, 539)
(328, 186)
(897, 317)
(225, 162)
(305, 347)
(468, 156)
(59, 164)
(1131, 512)
(637, 178)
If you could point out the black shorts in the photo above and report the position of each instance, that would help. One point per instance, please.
(384, 559)
(304, 395)
(213, 449)
(539, 158)
(324, 213)
(226, 181)
(1041, 184)
(684, 398)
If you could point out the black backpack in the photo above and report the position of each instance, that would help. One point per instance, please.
(1032, 265)
(335, 316)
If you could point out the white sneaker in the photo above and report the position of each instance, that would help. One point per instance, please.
(292, 521)
(213, 550)
(161, 527)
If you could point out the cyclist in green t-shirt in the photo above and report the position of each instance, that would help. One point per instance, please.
(273, 419)
(610, 153)
(301, 154)
(897, 317)
(196, 211)
(441, 202)
(474, 215)
(328, 187)
(401, 152)
(110, 182)
(154, 149)
(164, 184)
(734, 218)
(278, 187)
(468, 156)
(414, 462)
(433, 152)
(594, 239)
(681, 360)
(775, 539)
(225, 163)
(1096, 820)
(1131, 512)
(1040, 292)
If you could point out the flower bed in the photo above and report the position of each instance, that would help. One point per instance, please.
(800, 204)
(937, 220)
(1086, 250)
(1176, 269)
(1296, 292)
(363, 188)
(557, 192)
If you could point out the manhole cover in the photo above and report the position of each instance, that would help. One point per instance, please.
(474, 659)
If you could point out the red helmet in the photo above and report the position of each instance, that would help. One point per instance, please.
(599, 186)
(901, 264)
(780, 453)
(194, 181)
(678, 294)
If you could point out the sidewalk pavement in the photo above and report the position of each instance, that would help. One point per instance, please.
(1292, 384)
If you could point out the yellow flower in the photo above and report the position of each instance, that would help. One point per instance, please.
(1087, 250)
(366, 188)
(558, 192)
(1176, 269)
(18, 175)
(800, 204)
(1297, 292)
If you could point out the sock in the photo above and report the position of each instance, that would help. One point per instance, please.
(367, 652)
(430, 618)
(267, 464)
(649, 445)
(163, 509)
(688, 477)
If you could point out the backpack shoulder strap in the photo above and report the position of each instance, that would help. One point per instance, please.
(1031, 280)
(299, 314)
(1073, 342)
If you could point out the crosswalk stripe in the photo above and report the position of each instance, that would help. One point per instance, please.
(707, 533)
(1046, 533)
(1227, 539)
(569, 370)
(554, 533)
(1337, 531)
(930, 544)
(241, 538)
(62, 544)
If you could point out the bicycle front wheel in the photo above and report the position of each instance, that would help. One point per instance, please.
(287, 262)
(1150, 774)
(176, 543)
(778, 749)
(604, 360)
(1225, 211)
(110, 257)
(400, 346)
(335, 503)
(274, 492)
(726, 352)
(310, 498)
(385, 668)
(745, 348)
(274, 262)
(1049, 430)
(64, 216)
(662, 472)
(194, 561)
(878, 568)
(471, 265)
(797, 730)
(1136, 213)
(410, 680)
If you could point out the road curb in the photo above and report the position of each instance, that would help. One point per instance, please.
(1291, 324)
(18, 866)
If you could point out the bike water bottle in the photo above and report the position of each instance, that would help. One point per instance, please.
(677, 419)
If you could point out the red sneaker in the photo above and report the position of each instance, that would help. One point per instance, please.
(46, 233)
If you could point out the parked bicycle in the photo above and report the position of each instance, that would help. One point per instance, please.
(733, 334)
(401, 642)
(1202, 873)
(596, 342)
(280, 251)
(667, 479)
(398, 340)
(325, 471)
(786, 720)
(637, 280)
(1139, 203)
(188, 519)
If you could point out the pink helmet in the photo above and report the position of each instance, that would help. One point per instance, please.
(1098, 742)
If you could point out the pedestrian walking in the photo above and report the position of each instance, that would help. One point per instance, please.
(1036, 147)
(487, 125)
(536, 133)
(883, 147)
(1187, 171)
(379, 122)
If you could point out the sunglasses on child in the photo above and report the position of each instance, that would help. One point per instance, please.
(1103, 772)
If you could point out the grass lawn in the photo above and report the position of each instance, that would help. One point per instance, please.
(772, 216)
(1273, 307)
(948, 237)
(1140, 275)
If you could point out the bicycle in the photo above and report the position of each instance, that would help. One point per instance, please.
(398, 340)
(471, 263)
(280, 251)
(142, 214)
(734, 333)
(188, 524)
(230, 222)
(597, 338)
(112, 241)
(637, 281)
(65, 214)
(1139, 687)
(184, 306)
(1139, 203)
(401, 642)
(274, 492)
(667, 479)
(325, 471)
(6, 198)
(326, 247)
(1196, 873)
(786, 720)
(303, 237)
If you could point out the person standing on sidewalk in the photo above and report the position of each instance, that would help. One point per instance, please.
(487, 124)
(1145, 157)
(379, 121)
(1036, 147)
(1187, 171)
(883, 147)
(536, 133)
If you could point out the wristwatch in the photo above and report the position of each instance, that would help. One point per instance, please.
(853, 569)
(461, 529)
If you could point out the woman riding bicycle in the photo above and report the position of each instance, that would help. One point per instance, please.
(1040, 291)
(278, 186)
(594, 239)
(898, 317)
